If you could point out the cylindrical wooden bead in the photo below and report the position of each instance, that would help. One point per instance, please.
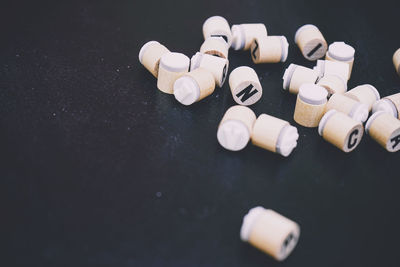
(340, 51)
(150, 55)
(236, 127)
(365, 93)
(270, 232)
(384, 129)
(396, 60)
(274, 134)
(244, 34)
(194, 86)
(296, 75)
(215, 46)
(310, 105)
(311, 42)
(340, 130)
(352, 108)
(333, 84)
(389, 104)
(172, 66)
(327, 67)
(269, 49)
(217, 26)
(245, 86)
(216, 65)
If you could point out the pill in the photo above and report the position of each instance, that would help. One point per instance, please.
(217, 26)
(216, 65)
(269, 49)
(172, 66)
(384, 129)
(342, 52)
(296, 75)
(389, 104)
(310, 105)
(215, 46)
(244, 34)
(245, 86)
(365, 93)
(396, 60)
(311, 42)
(340, 130)
(194, 86)
(333, 84)
(274, 134)
(235, 128)
(150, 55)
(354, 109)
(270, 232)
(327, 67)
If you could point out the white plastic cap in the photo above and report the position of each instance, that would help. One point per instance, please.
(144, 47)
(372, 118)
(287, 140)
(175, 62)
(248, 222)
(195, 61)
(215, 19)
(186, 90)
(324, 120)
(341, 51)
(285, 48)
(359, 112)
(313, 94)
(385, 105)
(233, 135)
(375, 91)
(287, 76)
(238, 37)
(302, 28)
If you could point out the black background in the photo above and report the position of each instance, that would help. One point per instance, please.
(98, 167)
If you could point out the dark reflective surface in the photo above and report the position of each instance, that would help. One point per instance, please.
(99, 167)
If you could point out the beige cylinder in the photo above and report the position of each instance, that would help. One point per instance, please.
(236, 127)
(194, 86)
(384, 129)
(217, 26)
(342, 52)
(245, 86)
(395, 99)
(172, 66)
(269, 49)
(354, 109)
(216, 65)
(333, 84)
(244, 34)
(396, 60)
(386, 105)
(150, 55)
(311, 42)
(270, 232)
(215, 46)
(274, 134)
(310, 105)
(365, 93)
(296, 75)
(340, 130)
(327, 67)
